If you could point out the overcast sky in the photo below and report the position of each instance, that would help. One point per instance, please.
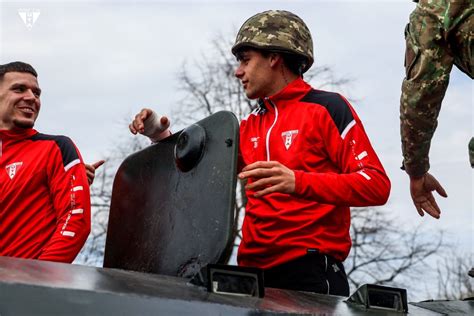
(102, 61)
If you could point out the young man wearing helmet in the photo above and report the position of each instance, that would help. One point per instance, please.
(305, 156)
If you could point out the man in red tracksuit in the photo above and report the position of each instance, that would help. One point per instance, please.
(44, 193)
(305, 156)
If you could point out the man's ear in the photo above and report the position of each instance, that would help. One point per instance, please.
(275, 59)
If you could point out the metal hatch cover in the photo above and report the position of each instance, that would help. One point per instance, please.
(172, 205)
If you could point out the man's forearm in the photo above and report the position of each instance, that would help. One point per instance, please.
(72, 206)
(366, 187)
(419, 108)
(65, 248)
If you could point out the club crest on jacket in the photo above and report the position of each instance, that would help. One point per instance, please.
(13, 168)
(288, 137)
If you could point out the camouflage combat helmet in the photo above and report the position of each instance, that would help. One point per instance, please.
(278, 31)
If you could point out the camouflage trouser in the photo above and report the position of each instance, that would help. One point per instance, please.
(440, 34)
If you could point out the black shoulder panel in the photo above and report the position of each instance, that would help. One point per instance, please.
(65, 144)
(336, 106)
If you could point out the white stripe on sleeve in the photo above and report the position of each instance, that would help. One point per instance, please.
(365, 175)
(348, 128)
(72, 164)
(362, 155)
(78, 188)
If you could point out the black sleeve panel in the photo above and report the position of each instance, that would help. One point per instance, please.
(336, 106)
(65, 144)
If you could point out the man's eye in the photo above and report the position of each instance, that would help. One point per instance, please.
(19, 89)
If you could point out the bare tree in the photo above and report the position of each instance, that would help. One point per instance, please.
(209, 86)
(384, 252)
(451, 273)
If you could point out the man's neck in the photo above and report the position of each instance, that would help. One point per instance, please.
(282, 82)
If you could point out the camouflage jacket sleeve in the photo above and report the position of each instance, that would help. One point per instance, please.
(439, 35)
(427, 67)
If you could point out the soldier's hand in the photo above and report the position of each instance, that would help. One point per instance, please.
(421, 190)
(90, 170)
(268, 177)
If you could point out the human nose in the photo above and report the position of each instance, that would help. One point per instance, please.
(30, 95)
(239, 72)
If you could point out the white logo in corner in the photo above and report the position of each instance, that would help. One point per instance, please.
(29, 16)
(289, 137)
(13, 168)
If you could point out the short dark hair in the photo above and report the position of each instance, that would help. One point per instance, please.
(17, 66)
(295, 63)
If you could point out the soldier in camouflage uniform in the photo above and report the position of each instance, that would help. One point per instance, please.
(439, 34)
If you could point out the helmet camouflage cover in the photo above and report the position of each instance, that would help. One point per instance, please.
(279, 31)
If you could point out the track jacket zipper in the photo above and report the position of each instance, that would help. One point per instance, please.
(267, 139)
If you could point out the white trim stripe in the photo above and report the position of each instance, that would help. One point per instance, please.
(348, 128)
(362, 155)
(78, 188)
(267, 140)
(68, 233)
(254, 112)
(365, 175)
(77, 211)
(72, 164)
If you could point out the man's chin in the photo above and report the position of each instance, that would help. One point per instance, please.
(24, 123)
(251, 95)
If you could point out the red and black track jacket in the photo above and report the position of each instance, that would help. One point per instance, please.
(319, 136)
(44, 197)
